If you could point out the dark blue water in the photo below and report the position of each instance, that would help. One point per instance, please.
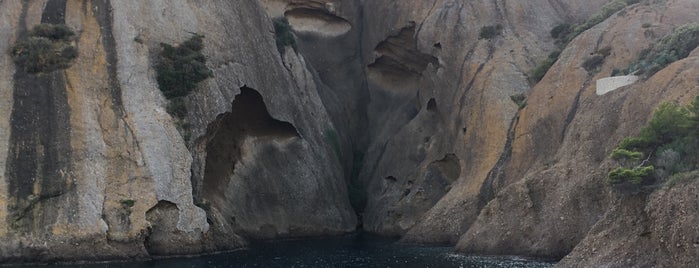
(348, 251)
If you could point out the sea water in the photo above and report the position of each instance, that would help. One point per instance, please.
(358, 250)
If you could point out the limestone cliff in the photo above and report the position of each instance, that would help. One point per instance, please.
(452, 106)
(94, 168)
(418, 119)
(560, 155)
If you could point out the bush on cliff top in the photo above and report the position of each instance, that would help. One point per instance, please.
(540, 70)
(670, 141)
(46, 49)
(182, 67)
(674, 46)
(283, 35)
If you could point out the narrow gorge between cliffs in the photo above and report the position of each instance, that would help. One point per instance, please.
(351, 133)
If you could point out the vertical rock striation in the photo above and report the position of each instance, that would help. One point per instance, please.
(416, 119)
(94, 168)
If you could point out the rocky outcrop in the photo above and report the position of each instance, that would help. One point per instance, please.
(560, 155)
(659, 230)
(418, 116)
(532, 182)
(441, 90)
(94, 168)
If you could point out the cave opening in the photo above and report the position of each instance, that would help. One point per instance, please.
(248, 117)
(432, 105)
(163, 219)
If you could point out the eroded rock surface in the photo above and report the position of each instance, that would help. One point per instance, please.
(560, 155)
(403, 107)
(94, 168)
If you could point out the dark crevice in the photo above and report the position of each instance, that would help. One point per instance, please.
(399, 56)
(432, 105)
(163, 219)
(496, 175)
(103, 14)
(574, 109)
(32, 202)
(54, 12)
(39, 147)
(248, 118)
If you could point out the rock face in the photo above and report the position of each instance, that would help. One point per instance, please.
(438, 90)
(94, 168)
(560, 158)
(402, 113)
(659, 230)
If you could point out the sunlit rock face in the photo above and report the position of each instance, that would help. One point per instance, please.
(93, 167)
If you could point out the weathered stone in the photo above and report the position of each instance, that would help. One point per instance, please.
(402, 100)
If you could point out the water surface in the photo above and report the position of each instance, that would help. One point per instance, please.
(358, 250)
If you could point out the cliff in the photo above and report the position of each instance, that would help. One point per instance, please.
(418, 119)
(95, 168)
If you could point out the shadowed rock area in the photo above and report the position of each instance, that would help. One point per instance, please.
(39, 142)
(306, 20)
(399, 61)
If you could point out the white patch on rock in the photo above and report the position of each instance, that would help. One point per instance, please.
(609, 84)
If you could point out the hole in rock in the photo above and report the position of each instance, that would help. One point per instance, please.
(399, 60)
(317, 21)
(450, 167)
(432, 105)
(163, 219)
(248, 118)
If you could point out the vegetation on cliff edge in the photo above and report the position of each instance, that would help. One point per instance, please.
(674, 46)
(564, 33)
(179, 70)
(664, 149)
(47, 48)
(283, 35)
(182, 67)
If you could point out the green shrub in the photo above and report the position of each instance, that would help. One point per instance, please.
(634, 143)
(682, 40)
(635, 176)
(626, 154)
(605, 12)
(674, 46)
(127, 203)
(283, 35)
(681, 178)
(544, 66)
(205, 205)
(667, 124)
(593, 62)
(670, 141)
(560, 31)
(490, 32)
(520, 99)
(46, 49)
(177, 108)
(181, 68)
